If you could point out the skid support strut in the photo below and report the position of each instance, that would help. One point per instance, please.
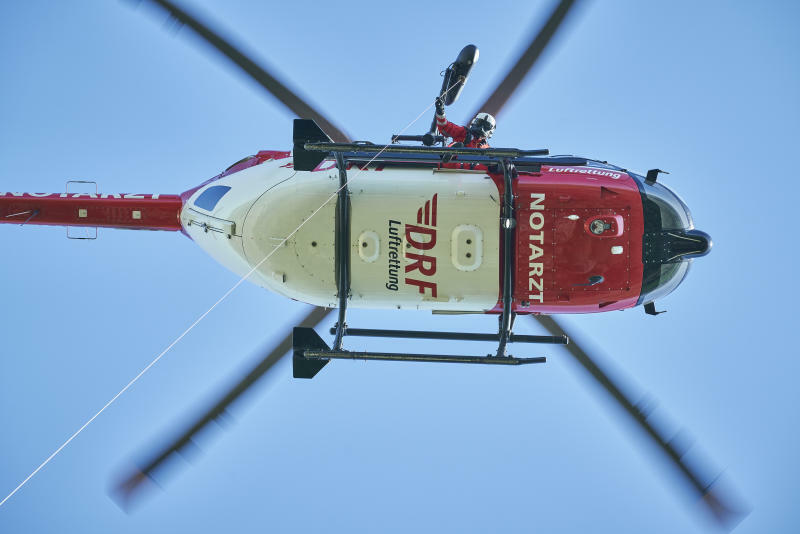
(508, 223)
(342, 249)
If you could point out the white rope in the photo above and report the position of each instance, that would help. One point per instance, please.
(203, 316)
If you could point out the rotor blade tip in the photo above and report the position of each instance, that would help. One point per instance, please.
(726, 515)
(126, 492)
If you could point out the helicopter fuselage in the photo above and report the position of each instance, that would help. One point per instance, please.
(427, 239)
(588, 238)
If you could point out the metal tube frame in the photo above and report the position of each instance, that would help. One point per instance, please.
(420, 138)
(406, 149)
(342, 261)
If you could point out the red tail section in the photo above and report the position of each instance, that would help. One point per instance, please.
(107, 210)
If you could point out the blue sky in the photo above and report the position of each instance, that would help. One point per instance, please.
(102, 91)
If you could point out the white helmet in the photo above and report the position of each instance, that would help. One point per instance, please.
(483, 124)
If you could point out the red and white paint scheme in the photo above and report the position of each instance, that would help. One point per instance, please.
(425, 239)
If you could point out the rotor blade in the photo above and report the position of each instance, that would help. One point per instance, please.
(494, 104)
(723, 512)
(124, 491)
(269, 82)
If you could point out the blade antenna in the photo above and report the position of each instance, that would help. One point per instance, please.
(725, 514)
(494, 104)
(126, 489)
(269, 82)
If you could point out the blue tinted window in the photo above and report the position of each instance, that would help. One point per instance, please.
(209, 198)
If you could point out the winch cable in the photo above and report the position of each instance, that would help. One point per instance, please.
(203, 316)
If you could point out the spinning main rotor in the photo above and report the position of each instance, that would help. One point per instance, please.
(723, 512)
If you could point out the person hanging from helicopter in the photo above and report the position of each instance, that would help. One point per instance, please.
(475, 135)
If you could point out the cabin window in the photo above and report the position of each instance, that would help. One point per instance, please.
(660, 280)
(209, 198)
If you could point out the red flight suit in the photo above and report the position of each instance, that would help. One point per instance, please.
(458, 133)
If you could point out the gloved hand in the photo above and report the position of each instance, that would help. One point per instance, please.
(439, 105)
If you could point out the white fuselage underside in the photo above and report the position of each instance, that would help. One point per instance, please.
(419, 238)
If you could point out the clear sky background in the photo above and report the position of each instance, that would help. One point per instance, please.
(102, 91)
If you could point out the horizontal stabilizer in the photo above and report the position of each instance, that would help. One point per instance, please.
(307, 131)
(304, 339)
(106, 210)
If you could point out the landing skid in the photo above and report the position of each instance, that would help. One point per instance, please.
(311, 353)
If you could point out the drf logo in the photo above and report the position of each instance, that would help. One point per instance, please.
(422, 238)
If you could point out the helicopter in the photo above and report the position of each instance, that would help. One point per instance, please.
(577, 291)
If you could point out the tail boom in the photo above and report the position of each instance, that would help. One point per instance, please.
(107, 210)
